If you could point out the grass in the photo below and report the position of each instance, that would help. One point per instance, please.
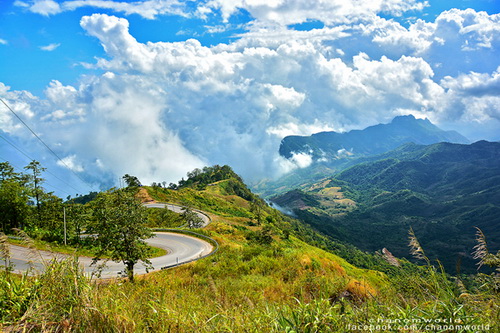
(291, 287)
(252, 284)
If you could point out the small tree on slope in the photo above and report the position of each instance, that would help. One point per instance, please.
(119, 226)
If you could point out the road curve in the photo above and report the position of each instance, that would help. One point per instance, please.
(181, 249)
(179, 209)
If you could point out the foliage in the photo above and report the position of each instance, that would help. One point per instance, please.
(35, 181)
(191, 218)
(272, 273)
(131, 181)
(163, 218)
(119, 225)
(442, 191)
(13, 200)
(286, 286)
(83, 199)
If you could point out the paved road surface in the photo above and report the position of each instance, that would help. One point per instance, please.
(179, 209)
(181, 248)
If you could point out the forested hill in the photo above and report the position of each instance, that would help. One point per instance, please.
(443, 191)
(332, 152)
(370, 141)
(442, 170)
(271, 273)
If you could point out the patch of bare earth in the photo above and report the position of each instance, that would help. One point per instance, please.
(144, 196)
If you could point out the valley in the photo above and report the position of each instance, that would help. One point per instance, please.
(360, 243)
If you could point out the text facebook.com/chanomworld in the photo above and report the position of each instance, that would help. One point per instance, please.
(384, 324)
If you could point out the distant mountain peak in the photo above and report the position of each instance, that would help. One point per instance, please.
(377, 139)
(404, 117)
(409, 119)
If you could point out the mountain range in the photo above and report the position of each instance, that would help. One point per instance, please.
(443, 191)
(333, 152)
(369, 141)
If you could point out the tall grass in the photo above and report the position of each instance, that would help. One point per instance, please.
(246, 287)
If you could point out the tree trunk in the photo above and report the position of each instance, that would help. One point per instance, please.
(130, 270)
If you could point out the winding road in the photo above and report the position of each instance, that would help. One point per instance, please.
(179, 209)
(180, 249)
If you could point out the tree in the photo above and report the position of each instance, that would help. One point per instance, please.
(6, 171)
(36, 180)
(119, 223)
(192, 219)
(13, 198)
(131, 181)
(77, 216)
(50, 225)
(257, 207)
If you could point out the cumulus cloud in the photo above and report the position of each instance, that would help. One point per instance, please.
(71, 163)
(283, 130)
(451, 44)
(149, 9)
(287, 12)
(42, 7)
(302, 160)
(473, 97)
(21, 103)
(163, 108)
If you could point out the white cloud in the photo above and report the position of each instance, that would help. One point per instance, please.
(282, 12)
(163, 108)
(42, 7)
(50, 47)
(302, 160)
(287, 12)
(3, 41)
(21, 103)
(70, 163)
(474, 84)
(149, 9)
(472, 97)
(287, 129)
(452, 44)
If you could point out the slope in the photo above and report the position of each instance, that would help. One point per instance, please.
(332, 152)
(443, 191)
(269, 274)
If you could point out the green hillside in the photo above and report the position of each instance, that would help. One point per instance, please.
(271, 273)
(443, 191)
(333, 152)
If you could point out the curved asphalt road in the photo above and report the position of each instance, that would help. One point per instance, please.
(179, 209)
(180, 249)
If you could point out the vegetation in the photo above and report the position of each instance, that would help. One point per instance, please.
(119, 229)
(270, 274)
(333, 152)
(442, 191)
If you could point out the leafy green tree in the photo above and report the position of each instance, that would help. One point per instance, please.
(192, 219)
(119, 223)
(50, 226)
(14, 198)
(257, 207)
(6, 171)
(131, 181)
(35, 183)
(77, 220)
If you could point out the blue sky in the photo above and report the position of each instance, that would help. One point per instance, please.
(156, 88)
